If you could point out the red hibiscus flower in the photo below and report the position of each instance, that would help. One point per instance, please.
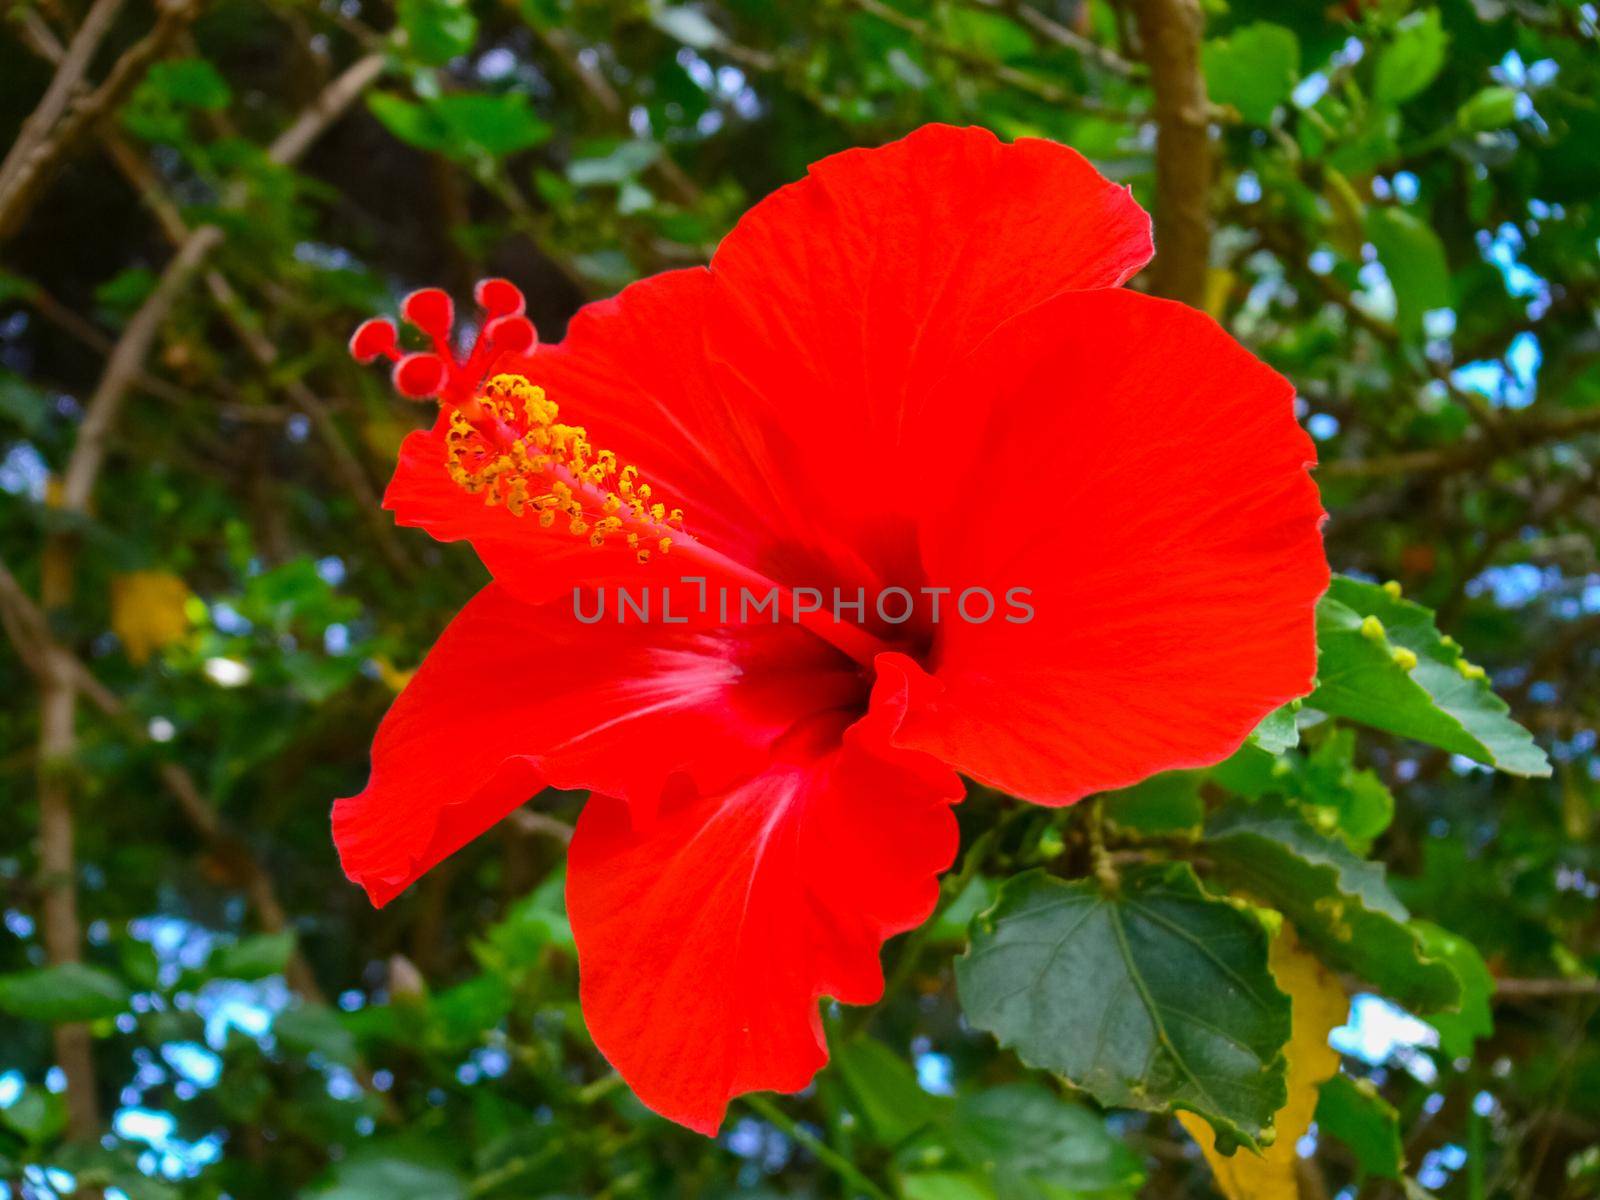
(911, 377)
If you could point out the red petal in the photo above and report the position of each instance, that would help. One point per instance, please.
(1144, 475)
(840, 300)
(706, 941)
(515, 697)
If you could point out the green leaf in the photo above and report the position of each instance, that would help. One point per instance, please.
(1254, 69)
(1490, 109)
(952, 921)
(532, 925)
(316, 1029)
(688, 25)
(1035, 1146)
(884, 1090)
(438, 30)
(23, 403)
(1164, 804)
(1361, 806)
(1413, 257)
(1366, 638)
(1460, 1030)
(1279, 730)
(462, 1015)
(462, 125)
(1410, 62)
(36, 1116)
(1353, 1112)
(70, 992)
(125, 290)
(254, 957)
(1156, 997)
(388, 1172)
(1340, 905)
(945, 1185)
(626, 161)
(187, 83)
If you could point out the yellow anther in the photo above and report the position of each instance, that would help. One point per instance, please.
(1403, 658)
(1470, 670)
(1392, 589)
(510, 446)
(1372, 629)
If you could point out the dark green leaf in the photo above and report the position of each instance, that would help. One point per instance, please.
(1339, 904)
(1367, 637)
(1157, 997)
(1364, 1121)
(23, 403)
(1032, 1145)
(1168, 803)
(381, 1172)
(316, 1029)
(70, 992)
(254, 957)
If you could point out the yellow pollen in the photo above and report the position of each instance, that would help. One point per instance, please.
(515, 452)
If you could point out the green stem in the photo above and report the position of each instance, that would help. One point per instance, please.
(826, 1154)
(1104, 869)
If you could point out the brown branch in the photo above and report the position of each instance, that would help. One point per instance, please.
(1170, 31)
(28, 631)
(1054, 31)
(29, 148)
(59, 681)
(23, 184)
(976, 60)
(1516, 988)
(1513, 436)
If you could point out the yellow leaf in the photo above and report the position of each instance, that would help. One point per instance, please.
(1219, 286)
(393, 677)
(1319, 1004)
(148, 611)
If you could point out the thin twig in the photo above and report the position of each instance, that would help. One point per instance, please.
(24, 184)
(826, 1154)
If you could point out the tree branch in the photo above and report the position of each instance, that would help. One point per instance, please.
(1512, 436)
(59, 681)
(22, 181)
(1170, 32)
(28, 631)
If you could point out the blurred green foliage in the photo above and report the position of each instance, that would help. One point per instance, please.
(1405, 224)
